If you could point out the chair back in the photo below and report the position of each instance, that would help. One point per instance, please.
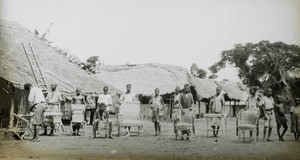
(248, 116)
(130, 110)
(78, 112)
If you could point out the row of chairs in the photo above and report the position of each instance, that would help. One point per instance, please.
(129, 116)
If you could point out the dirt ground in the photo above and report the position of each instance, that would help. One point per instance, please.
(148, 146)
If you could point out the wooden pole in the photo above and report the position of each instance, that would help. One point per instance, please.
(199, 109)
(11, 117)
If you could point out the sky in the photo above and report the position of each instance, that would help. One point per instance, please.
(176, 32)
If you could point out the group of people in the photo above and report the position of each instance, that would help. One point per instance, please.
(272, 111)
(181, 112)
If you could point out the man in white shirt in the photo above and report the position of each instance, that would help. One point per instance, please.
(269, 115)
(104, 99)
(37, 101)
(128, 96)
(217, 106)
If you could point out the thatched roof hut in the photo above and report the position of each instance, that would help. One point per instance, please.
(206, 88)
(56, 67)
(144, 78)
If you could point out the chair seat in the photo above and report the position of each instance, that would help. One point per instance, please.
(183, 126)
(247, 127)
(133, 123)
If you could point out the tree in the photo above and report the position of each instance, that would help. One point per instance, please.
(262, 64)
(194, 70)
(197, 72)
(91, 64)
(202, 73)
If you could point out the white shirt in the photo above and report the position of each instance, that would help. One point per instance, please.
(106, 99)
(252, 102)
(36, 96)
(127, 97)
(54, 97)
(268, 102)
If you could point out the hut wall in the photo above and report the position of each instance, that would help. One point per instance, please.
(7, 93)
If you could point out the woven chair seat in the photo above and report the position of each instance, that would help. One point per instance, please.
(132, 123)
(184, 126)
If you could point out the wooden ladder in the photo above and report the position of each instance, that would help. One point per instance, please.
(35, 67)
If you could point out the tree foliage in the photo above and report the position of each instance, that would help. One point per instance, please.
(198, 72)
(262, 64)
(91, 64)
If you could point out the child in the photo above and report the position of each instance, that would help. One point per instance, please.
(101, 114)
(280, 118)
(295, 117)
(157, 110)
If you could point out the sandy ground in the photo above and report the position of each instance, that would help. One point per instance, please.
(150, 147)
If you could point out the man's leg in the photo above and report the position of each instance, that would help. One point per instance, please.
(159, 127)
(278, 130)
(95, 126)
(214, 131)
(285, 128)
(155, 127)
(45, 130)
(218, 127)
(35, 133)
(265, 132)
(110, 130)
(271, 125)
(52, 125)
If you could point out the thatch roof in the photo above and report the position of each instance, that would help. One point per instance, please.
(144, 78)
(56, 67)
(234, 90)
(206, 88)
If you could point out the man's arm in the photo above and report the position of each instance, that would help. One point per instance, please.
(162, 101)
(31, 97)
(109, 101)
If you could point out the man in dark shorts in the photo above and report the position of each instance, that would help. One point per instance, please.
(280, 118)
(37, 101)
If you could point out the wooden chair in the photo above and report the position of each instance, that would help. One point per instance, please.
(247, 119)
(102, 123)
(223, 123)
(186, 123)
(78, 111)
(129, 116)
(56, 115)
(22, 126)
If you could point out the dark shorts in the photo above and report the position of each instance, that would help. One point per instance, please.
(281, 120)
(38, 115)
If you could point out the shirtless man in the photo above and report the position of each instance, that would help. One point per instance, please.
(77, 99)
(280, 118)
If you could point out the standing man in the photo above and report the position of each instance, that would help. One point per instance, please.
(127, 97)
(186, 101)
(177, 108)
(217, 105)
(78, 99)
(280, 118)
(105, 100)
(269, 116)
(252, 101)
(53, 99)
(37, 104)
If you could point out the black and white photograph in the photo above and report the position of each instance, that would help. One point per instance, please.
(149, 79)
